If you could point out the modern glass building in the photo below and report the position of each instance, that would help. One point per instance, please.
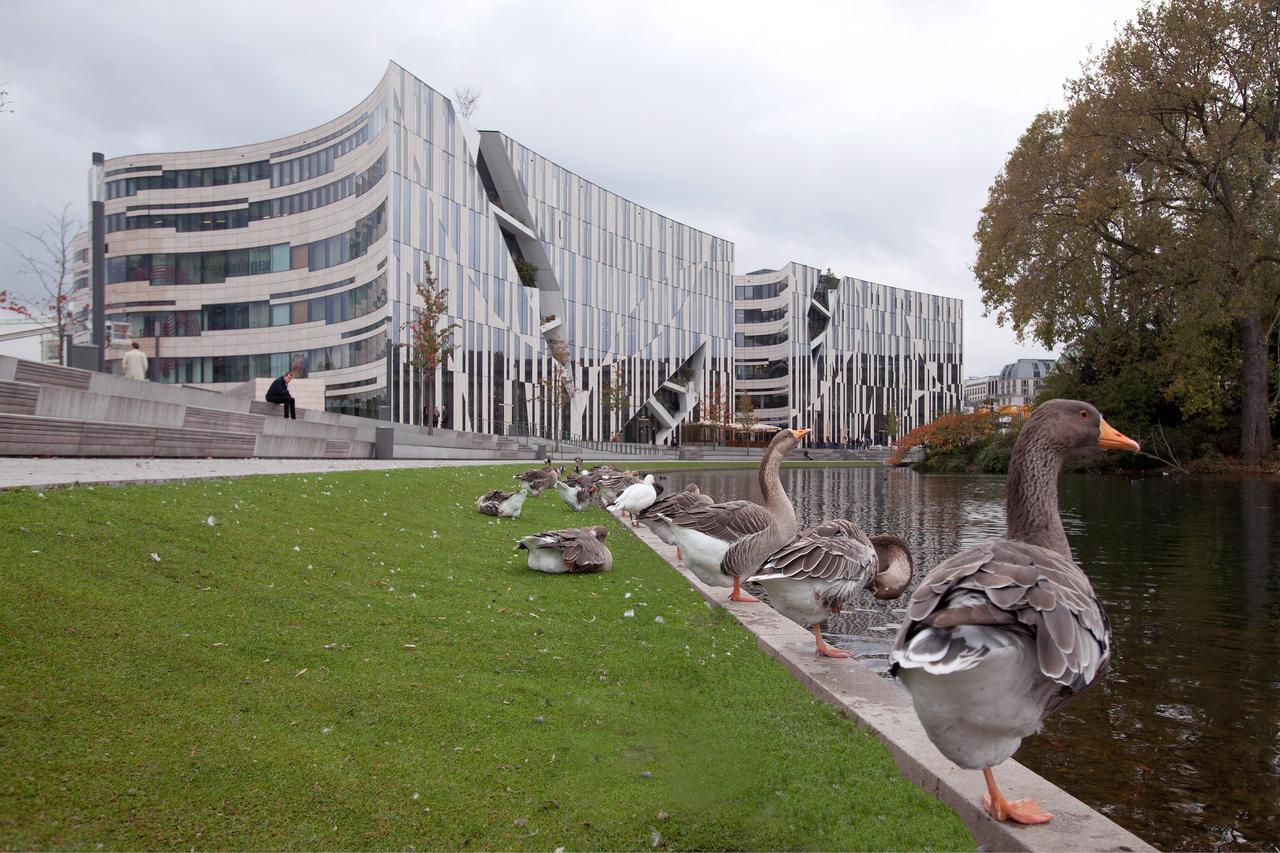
(839, 354)
(303, 253)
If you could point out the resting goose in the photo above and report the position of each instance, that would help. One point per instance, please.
(576, 491)
(829, 565)
(574, 551)
(502, 504)
(723, 543)
(613, 484)
(635, 498)
(1002, 634)
(539, 479)
(655, 516)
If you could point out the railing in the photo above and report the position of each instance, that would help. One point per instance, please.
(526, 436)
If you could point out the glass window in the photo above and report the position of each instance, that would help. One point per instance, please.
(117, 270)
(162, 270)
(298, 312)
(237, 262)
(300, 257)
(139, 267)
(280, 257)
(214, 267)
(189, 269)
(279, 315)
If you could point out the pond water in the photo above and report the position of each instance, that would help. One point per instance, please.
(1180, 741)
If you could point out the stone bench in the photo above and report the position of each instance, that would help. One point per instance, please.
(30, 435)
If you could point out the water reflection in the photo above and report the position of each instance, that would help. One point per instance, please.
(1180, 742)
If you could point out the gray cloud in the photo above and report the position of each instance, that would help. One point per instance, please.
(857, 136)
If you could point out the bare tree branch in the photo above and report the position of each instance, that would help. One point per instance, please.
(47, 257)
(466, 100)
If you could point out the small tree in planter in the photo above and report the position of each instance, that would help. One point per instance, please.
(430, 339)
(746, 412)
(528, 273)
(49, 262)
(891, 425)
(717, 410)
(558, 386)
(615, 396)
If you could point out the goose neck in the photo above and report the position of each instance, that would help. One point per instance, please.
(776, 500)
(1032, 509)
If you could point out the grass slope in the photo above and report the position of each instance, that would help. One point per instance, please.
(361, 661)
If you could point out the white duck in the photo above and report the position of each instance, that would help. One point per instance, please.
(577, 550)
(635, 498)
(1003, 634)
(828, 566)
(502, 504)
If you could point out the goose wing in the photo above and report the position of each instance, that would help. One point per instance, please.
(1016, 587)
(728, 521)
(578, 547)
(836, 552)
(673, 504)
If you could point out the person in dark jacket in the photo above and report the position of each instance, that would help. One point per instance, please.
(279, 393)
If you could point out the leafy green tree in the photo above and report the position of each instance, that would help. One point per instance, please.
(430, 339)
(1151, 203)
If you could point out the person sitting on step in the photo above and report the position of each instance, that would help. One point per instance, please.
(279, 393)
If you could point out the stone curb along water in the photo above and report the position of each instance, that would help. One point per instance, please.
(880, 707)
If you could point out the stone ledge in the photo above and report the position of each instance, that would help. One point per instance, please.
(881, 708)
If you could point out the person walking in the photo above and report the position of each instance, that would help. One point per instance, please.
(279, 393)
(135, 363)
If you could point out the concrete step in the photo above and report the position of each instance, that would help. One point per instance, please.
(33, 435)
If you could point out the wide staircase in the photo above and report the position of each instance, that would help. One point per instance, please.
(47, 410)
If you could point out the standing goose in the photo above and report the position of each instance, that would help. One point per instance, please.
(613, 484)
(1002, 634)
(539, 479)
(575, 551)
(726, 542)
(502, 504)
(655, 516)
(829, 565)
(576, 491)
(635, 498)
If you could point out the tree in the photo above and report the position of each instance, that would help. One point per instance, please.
(615, 395)
(890, 424)
(6, 105)
(49, 262)
(430, 339)
(746, 412)
(466, 100)
(559, 385)
(1152, 203)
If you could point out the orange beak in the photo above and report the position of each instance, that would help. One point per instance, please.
(1109, 438)
(800, 433)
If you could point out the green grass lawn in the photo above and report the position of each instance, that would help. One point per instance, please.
(362, 661)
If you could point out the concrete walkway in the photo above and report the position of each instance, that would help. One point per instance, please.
(883, 709)
(27, 472)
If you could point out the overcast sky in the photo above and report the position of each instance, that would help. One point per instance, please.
(860, 136)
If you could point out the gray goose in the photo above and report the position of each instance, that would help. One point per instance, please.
(502, 504)
(1002, 634)
(723, 543)
(671, 505)
(576, 490)
(578, 550)
(539, 479)
(829, 565)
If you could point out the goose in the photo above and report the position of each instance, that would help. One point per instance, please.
(574, 551)
(726, 542)
(1004, 633)
(829, 565)
(502, 504)
(576, 491)
(653, 516)
(635, 498)
(613, 484)
(539, 479)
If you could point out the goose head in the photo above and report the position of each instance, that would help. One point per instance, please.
(600, 532)
(693, 489)
(648, 479)
(786, 440)
(1075, 428)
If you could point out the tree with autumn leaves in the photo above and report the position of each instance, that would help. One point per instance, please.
(1141, 223)
(430, 339)
(947, 433)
